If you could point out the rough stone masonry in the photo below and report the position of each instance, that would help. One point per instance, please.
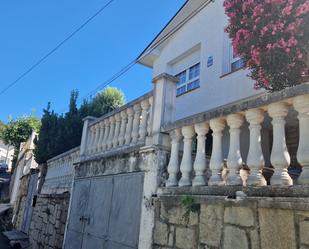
(220, 223)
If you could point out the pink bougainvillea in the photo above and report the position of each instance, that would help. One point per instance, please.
(272, 36)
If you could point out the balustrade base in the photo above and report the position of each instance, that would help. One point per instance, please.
(230, 191)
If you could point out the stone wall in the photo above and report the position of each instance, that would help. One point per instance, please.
(48, 221)
(19, 206)
(252, 223)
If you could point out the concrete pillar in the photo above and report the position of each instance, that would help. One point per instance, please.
(200, 160)
(85, 135)
(280, 157)
(136, 121)
(143, 125)
(301, 104)
(111, 132)
(234, 160)
(173, 166)
(128, 135)
(216, 160)
(124, 119)
(255, 158)
(186, 162)
(163, 106)
(106, 133)
(117, 129)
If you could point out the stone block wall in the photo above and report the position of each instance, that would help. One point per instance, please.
(19, 206)
(48, 221)
(253, 223)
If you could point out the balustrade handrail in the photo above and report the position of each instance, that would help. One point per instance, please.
(62, 155)
(231, 118)
(121, 108)
(252, 102)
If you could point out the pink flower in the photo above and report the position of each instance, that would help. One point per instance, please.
(302, 9)
(287, 10)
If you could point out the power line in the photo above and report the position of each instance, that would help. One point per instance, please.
(147, 51)
(56, 48)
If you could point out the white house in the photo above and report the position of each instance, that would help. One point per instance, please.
(6, 154)
(194, 47)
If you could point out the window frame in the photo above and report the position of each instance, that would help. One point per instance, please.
(234, 59)
(188, 81)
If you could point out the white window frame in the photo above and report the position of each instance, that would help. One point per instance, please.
(234, 59)
(188, 81)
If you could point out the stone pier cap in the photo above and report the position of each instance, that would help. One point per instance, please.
(259, 100)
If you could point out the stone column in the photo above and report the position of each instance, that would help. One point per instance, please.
(136, 121)
(200, 160)
(111, 132)
(301, 104)
(173, 166)
(143, 126)
(255, 158)
(280, 157)
(164, 98)
(117, 129)
(96, 138)
(124, 118)
(85, 136)
(234, 160)
(186, 162)
(100, 141)
(106, 133)
(93, 137)
(216, 160)
(128, 135)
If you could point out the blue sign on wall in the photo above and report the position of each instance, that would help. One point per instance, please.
(210, 61)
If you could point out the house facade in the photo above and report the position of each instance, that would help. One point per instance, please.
(201, 161)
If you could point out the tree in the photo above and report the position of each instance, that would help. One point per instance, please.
(18, 131)
(60, 133)
(272, 37)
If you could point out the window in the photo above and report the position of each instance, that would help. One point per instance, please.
(189, 79)
(235, 62)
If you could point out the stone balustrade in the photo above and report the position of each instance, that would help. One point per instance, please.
(124, 127)
(274, 110)
(60, 172)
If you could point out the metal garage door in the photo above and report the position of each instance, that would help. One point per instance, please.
(105, 212)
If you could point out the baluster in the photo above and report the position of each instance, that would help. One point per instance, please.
(280, 157)
(106, 133)
(173, 166)
(90, 141)
(124, 119)
(301, 104)
(255, 158)
(98, 134)
(186, 162)
(200, 160)
(100, 140)
(149, 122)
(136, 121)
(111, 132)
(234, 160)
(128, 135)
(216, 160)
(143, 126)
(95, 137)
(117, 129)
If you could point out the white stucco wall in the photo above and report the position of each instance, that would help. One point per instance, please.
(204, 32)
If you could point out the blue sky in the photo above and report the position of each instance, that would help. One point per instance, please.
(29, 29)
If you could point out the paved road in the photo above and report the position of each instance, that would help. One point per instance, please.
(4, 243)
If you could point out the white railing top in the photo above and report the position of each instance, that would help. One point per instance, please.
(63, 155)
(60, 172)
(120, 109)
